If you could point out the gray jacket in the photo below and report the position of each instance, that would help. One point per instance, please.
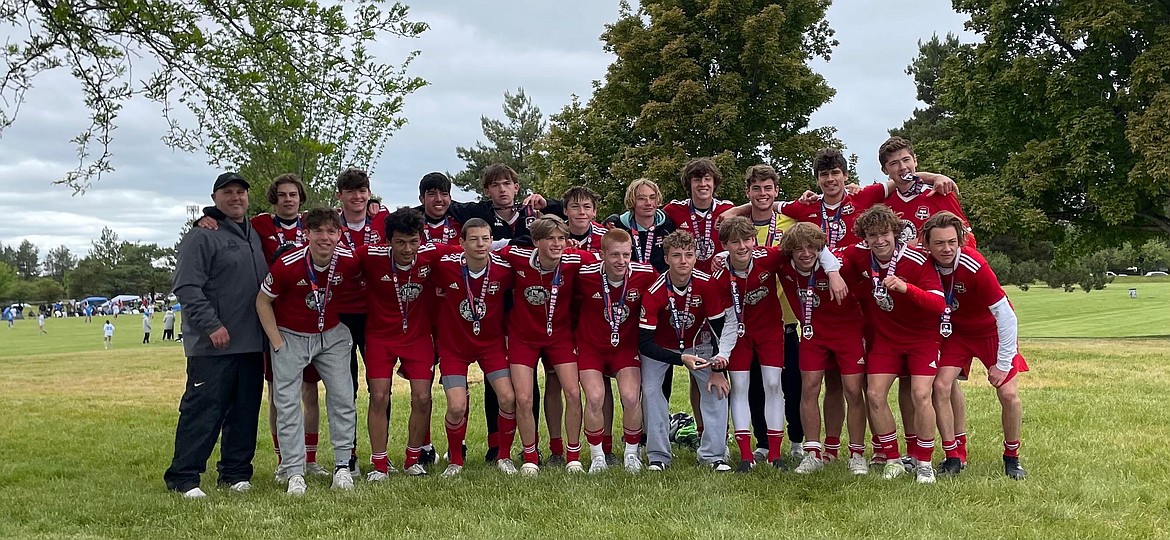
(217, 277)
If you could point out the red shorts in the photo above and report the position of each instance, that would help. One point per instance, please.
(608, 361)
(491, 360)
(555, 353)
(958, 350)
(767, 346)
(310, 374)
(418, 358)
(844, 353)
(915, 359)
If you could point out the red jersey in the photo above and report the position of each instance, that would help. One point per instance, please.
(914, 210)
(681, 315)
(442, 231)
(593, 313)
(825, 314)
(353, 299)
(274, 234)
(686, 217)
(391, 289)
(837, 219)
(970, 289)
(456, 321)
(534, 314)
(590, 241)
(912, 316)
(755, 293)
(298, 288)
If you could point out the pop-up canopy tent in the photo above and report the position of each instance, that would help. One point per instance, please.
(94, 300)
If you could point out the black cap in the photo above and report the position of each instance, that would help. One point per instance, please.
(227, 178)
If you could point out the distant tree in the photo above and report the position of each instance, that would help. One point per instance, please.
(45, 289)
(59, 261)
(8, 279)
(28, 259)
(107, 249)
(512, 141)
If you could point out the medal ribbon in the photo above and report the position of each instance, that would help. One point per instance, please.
(708, 223)
(612, 311)
(300, 237)
(644, 251)
(916, 184)
(834, 235)
(403, 304)
(771, 231)
(321, 299)
(552, 297)
(676, 320)
(879, 290)
(365, 235)
(949, 295)
(737, 300)
(475, 315)
(448, 231)
(809, 291)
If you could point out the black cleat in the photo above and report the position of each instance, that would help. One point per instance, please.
(611, 460)
(950, 467)
(493, 453)
(745, 466)
(554, 460)
(780, 465)
(427, 457)
(353, 467)
(1012, 468)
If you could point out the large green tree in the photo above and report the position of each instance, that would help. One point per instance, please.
(285, 81)
(511, 141)
(28, 260)
(729, 80)
(58, 261)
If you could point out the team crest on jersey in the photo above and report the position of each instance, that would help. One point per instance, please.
(960, 288)
(410, 292)
(909, 232)
(465, 310)
(336, 279)
(621, 311)
(696, 301)
(632, 295)
(848, 209)
(764, 276)
(424, 271)
(536, 295)
(313, 299)
(922, 212)
(682, 320)
(754, 297)
(268, 279)
(822, 284)
(493, 287)
(803, 293)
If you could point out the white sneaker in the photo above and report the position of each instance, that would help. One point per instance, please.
(925, 473)
(313, 468)
(529, 469)
(858, 466)
(893, 469)
(452, 471)
(720, 466)
(194, 493)
(809, 464)
(376, 476)
(296, 485)
(633, 463)
(416, 470)
(574, 467)
(597, 465)
(656, 466)
(241, 487)
(342, 479)
(506, 466)
(761, 454)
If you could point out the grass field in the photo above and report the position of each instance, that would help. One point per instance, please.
(85, 435)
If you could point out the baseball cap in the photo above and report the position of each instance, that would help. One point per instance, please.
(227, 178)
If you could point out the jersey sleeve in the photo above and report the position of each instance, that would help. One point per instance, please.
(792, 210)
(869, 196)
(272, 285)
(651, 305)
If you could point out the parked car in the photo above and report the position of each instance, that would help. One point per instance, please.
(1156, 273)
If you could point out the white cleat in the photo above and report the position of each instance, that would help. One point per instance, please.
(858, 466)
(598, 465)
(574, 467)
(342, 479)
(809, 464)
(194, 493)
(241, 487)
(529, 469)
(416, 470)
(452, 471)
(376, 476)
(633, 463)
(313, 468)
(296, 485)
(796, 451)
(506, 466)
(893, 469)
(925, 473)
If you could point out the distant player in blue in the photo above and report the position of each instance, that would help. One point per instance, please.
(88, 312)
(9, 316)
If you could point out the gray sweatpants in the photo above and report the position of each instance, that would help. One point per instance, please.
(656, 414)
(329, 353)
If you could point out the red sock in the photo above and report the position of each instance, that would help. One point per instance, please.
(276, 448)
(889, 442)
(412, 455)
(832, 447)
(593, 437)
(530, 455)
(743, 438)
(775, 439)
(507, 423)
(856, 450)
(879, 456)
(962, 438)
(311, 447)
(607, 444)
(632, 436)
(1011, 449)
(380, 461)
(923, 450)
(814, 447)
(556, 446)
(951, 449)
(911, 443)
(455, 435)
(573, 452)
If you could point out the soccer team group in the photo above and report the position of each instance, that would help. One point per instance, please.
(764, 304)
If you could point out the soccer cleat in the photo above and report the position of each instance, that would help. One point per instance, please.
(452, 471)
(194, 493)
(612, 460)
(529, 469)
(893, 469)
(796, 451)
(280, 477)
(555, 460)
(809, 464)
(597, 465)
(296, 485)
(760, 454)
(925, 473)
(447, 456)
(416, 470)
(376, 476)
(950, 467)
(241, 487)
(656, 466)
(574, 467)
(858, 466)
(427, 456)
(313, 468)
(633, 463)
(779, 465)
(909, 463)
(720, 466)
(492, 454)
(355, 470)
(506, 466)
(1012, 468)
(745, 466)
(342, 479)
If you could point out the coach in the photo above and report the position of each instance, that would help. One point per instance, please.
(216, 279)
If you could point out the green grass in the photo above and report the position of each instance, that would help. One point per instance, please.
(85, 435)
(1110, 312)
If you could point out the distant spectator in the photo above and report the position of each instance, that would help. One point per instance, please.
(169, 325)
(145, 327)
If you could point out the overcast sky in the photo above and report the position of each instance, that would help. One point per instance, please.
(473, 53)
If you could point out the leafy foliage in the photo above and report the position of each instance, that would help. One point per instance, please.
(512, 141)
